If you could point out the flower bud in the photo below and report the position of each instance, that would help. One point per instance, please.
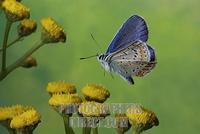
(15, 11)
(65, 103)
(61, 87)
(26, 122)
(141, 118)
(26, 27)
(96, 93)
(7, 113)
(29, 62)
(51, 31)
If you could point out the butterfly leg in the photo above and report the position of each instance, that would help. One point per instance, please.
(130, 80)
(111, 75)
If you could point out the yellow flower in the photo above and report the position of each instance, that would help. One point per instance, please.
(15, 11)
(26, 27)
(52, 32)
(93, 109)
(122, 123)
(96, 93)
(7, 113)
(141, 118)
(61, 87)
(29, 62)
(64, 99)
(65, 103)
(29, 118)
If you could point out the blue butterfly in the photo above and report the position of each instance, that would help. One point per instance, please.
(128, 54)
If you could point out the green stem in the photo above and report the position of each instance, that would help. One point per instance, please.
(13, 42)
(6, 124)
(120, 132)
(136, 132)
(27, 131)
(12, 131)
(18, 63)
(5, 41)
(86, 130)
(68, 129)
(95, 130)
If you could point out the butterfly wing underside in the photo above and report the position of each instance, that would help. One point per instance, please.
(135, 60)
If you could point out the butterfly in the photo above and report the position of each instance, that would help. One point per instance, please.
(129, 54)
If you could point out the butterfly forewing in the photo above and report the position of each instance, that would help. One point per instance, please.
(135, 28)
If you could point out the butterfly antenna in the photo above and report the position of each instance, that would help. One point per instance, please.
(84, 58)
(95, 41)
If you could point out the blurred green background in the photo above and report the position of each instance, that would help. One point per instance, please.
(171, 90)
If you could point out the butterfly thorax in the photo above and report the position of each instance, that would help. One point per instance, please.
(102, 59)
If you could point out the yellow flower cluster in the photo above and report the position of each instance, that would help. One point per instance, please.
(14, 10)
(93, 109)
(141, 118)
(7, 113)
(64, 99)
(52, 32)
(61, 87)
(63, 96)
(29, 118)
(96, 93)
(26, 27)
(19, 116)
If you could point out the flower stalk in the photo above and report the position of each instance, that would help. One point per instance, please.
(19, 38)
(27, 131)
(95, 130)
(18, 63)
(86, 130)
(6, 124)
(68, 129)
(7, 30)
(12, 131)
(15, 11)
(136, 132)
(120, 132)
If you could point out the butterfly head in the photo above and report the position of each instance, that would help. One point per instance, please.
(102, 59)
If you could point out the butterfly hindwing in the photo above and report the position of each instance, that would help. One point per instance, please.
(131, 61)
(135, 28)
(146, 69)
(150, 65)
(117, 68)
